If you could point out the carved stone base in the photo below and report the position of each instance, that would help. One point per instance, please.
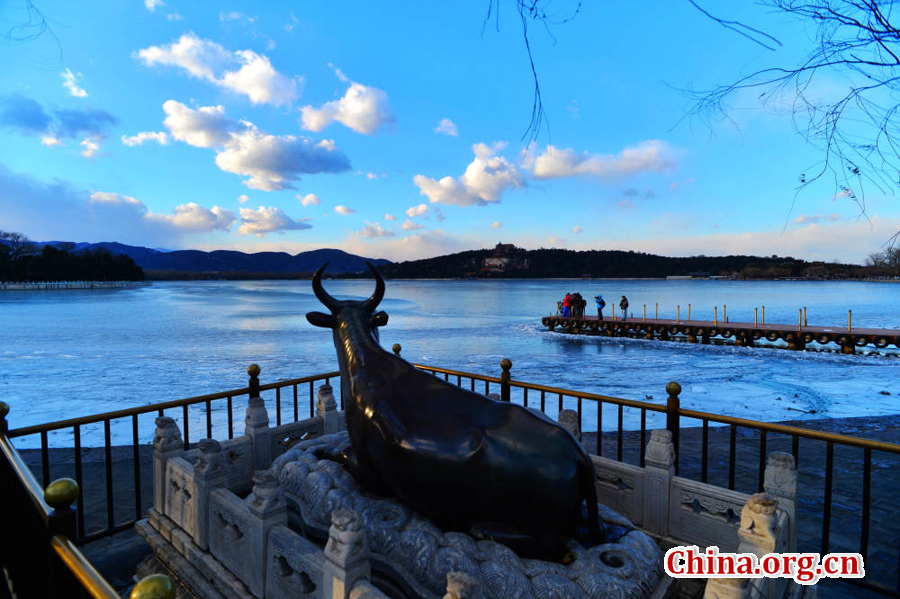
(415, 555)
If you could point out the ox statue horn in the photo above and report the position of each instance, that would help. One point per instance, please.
(471, 463)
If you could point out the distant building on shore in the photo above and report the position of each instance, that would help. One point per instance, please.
(506, 258)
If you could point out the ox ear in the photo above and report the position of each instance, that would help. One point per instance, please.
(379, 319)
(320, 320)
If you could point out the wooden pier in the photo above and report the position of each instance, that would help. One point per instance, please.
(746, 334)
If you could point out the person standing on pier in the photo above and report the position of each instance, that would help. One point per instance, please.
(600, 305)
(623, 305)
(567, 305)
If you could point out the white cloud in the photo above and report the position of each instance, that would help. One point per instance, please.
(485, 180)
(206, 127)
(244, 71)
(192, 217)
(266, 220)
(374, 230)
(235, 16)
(576, 229)
(50, 141)
(343, 210)
(447, 127)
(114, 199)
(809, 219)
(309, 199)
(186, 218)
(651, 155)
(70, 82)
(440, 215)
(370, 175)
(556, 241)
(270, 162)
(364, 109)
(91, 147)
(174, 16)
(159, 137)
(389, 216)
(243, 198)
(151, 5)
(417, 210)
(409, 225)
(496, 224)
(290, 26)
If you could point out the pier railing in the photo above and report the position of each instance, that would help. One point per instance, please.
(711, 448)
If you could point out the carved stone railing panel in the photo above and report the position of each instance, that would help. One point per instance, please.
(180, 504)
(621, 487)
(294, 565)
(239, 462)
(705, 515)
(232, 537)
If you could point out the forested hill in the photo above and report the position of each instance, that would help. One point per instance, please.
(557, 263)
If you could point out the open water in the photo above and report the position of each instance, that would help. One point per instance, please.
(71, 353)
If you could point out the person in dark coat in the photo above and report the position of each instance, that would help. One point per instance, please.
(623, 305)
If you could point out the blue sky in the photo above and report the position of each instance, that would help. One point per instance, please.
(396, 131)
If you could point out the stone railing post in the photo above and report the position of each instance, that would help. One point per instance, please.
(268, 506)
(461, 585)
(346, 555)
(326, 409)
(257, 423)
(758, 536)
(210, 471)
(781, 483)
(673, 416)
(167, 444)
(659, 462)
(505, 364)
(568, 419)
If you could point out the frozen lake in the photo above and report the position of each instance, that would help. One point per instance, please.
(72, 353)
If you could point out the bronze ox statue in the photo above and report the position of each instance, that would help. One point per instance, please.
(469, 462)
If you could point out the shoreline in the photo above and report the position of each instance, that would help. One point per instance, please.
(65, 285)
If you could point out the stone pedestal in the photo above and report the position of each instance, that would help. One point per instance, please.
(209, 472)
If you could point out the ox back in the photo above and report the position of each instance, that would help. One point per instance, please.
(471, 463)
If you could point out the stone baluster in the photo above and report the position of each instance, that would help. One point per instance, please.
(659, 462)
(257, 428)
(346, 555)
(268, 508)
(568, 419)
(461, 585)
(326, 409)
(167, 444)
(781, 483)
(758, 536)
(210, 471)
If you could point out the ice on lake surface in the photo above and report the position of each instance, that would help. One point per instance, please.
(72, 353)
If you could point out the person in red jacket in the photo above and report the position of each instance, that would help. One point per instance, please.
(567, 305)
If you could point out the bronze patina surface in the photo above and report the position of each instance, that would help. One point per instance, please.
(467, 461)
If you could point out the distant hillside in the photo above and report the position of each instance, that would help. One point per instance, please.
(174, 264)
(555, 263)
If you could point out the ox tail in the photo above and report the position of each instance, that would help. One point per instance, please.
(589, 492)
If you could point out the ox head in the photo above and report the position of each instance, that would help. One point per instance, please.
(347, 312)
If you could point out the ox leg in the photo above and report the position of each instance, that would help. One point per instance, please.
(364, 474)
